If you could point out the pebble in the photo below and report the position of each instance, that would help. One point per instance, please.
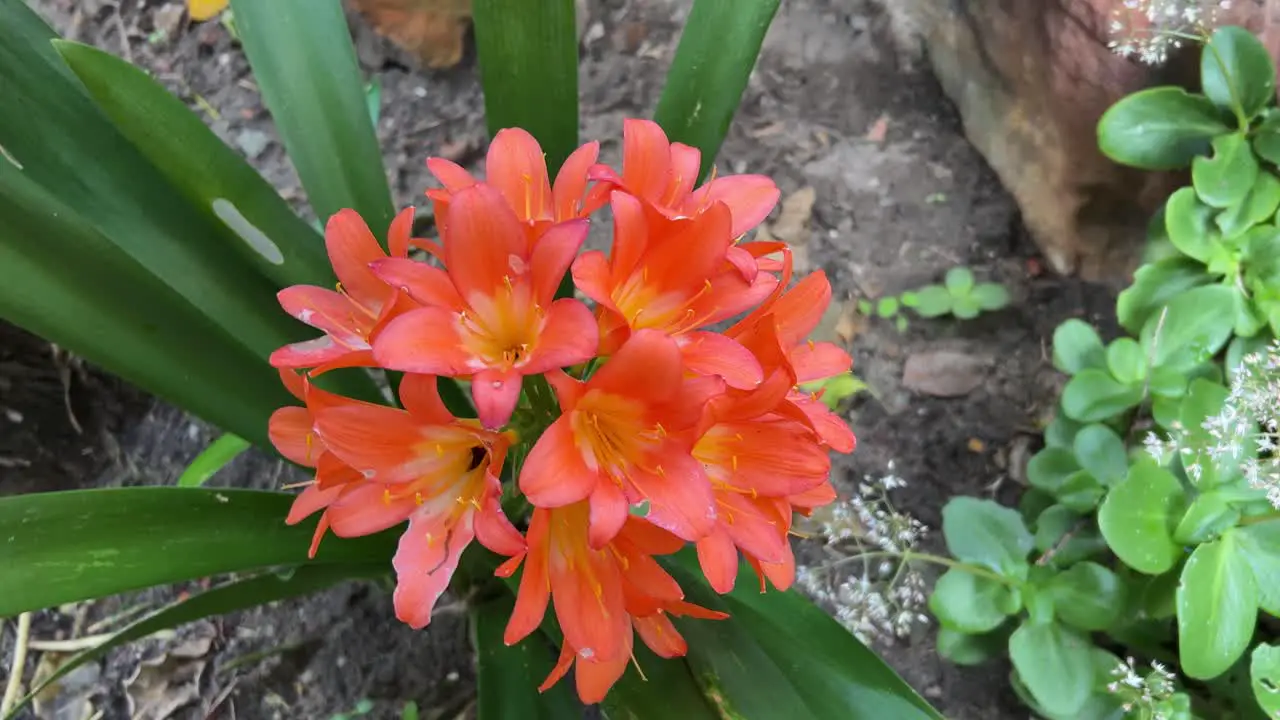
(944, 373)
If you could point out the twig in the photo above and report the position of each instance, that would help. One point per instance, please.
(1062, 541)
(19, 662)
(69, 645)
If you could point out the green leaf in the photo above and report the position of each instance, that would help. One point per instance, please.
(373, 99)
(1258, 206)
(1208, 516)
(986, 533)
(528, 54)
(965, 307)
(1224, 179)
(968, 603)
(69, 546)
(1241, 347)
(212, 459)
(1159, 128)
(1266, 143)
(1076, 347)
(1055, 665)
(717, 51)
(1154, 285)
(254, 221)
(959, 281)
(1087, 596)
(1217, 608)
(637, 698)
(1061, 431)
(1081, 491)
(1050, 468)
(932, 301)
(990, 296)
(965, 649)
(1259, 544)
(1093, 395)
(1189, 224)
(1126, 361)
(1137, 518)
(887, 307)
(303, 61)
(779, 656)
(1264, 671)
(1192, 329)
(1236, 72)
(228, 597)
(1101, 451)
(1167, 383)
(507, 677)
(1052, 526)
(1204, 400)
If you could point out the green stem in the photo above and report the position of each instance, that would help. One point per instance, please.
(908, 556)
(1256, 519)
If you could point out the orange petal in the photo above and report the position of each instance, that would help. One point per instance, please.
(693, 253)
(646, 158)
(450, 174)
(309, 354)
(609, 512)
(495, 531)
(428, 285)
(420, 396)
(367, 510)
(399, 232)
(800, 308)
(535, 586)
(660, 635)
(750, 199)
(516, 166)
(815, 497)
(680, 497)
(630, 235)
(423, 341)
(571, 182)
(561, 668)
(328, 311)
(833, 430)
(554, 473)
(710, 353)
(484, 242)
(771, 458)
(755, 529)
(567, 388)
(351, 248)
(382, 442)
(588, 602)
(309, 501)
(425, 561)
(685, 161)
(718, 557)
(782, 574)
(688, 609)
(353, 358)
(591, 275)
(819, 361)
(569, 336)
(495, 393)
(594, 678)
(645, 575)
(552, 256)
(647, 366)
(289, 429)
(332, 472)
(294, 383)
(649, 539)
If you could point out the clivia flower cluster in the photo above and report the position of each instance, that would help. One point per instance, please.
(656, 431)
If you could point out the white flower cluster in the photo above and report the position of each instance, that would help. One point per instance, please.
(1245, 433)
(1161, 26)
(882, 597)
(1143, 694)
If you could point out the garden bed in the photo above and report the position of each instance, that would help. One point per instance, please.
(897, 198)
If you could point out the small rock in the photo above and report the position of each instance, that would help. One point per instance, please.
(167, 19)
(943, 373)
(252, 143)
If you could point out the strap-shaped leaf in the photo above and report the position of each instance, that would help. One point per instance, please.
(304, 63)
(717, 51)
(235, 595)
(509, 676)
(255, 221)
(68, 546)
(212, 459)
(528, 53)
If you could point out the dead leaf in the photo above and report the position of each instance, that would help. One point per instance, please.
(851, 322)
(792, 224)
(161, 685)
(201, 10)
(432, 30)
(879, 129)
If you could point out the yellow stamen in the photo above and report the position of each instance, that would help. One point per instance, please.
(417, 498)
(386, 496)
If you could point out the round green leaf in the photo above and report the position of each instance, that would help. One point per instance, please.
(1052, 525)
(1224, 179)
(1087, 596)
(1217, 608)
(1126, 361)
(986, 533)
(1267, 144)
(1189, 224)
(959, 281)
(1167, 383)
(1258, 206)
(1193, 329)
(1236, 72)
(1208, 516)
(1250, 318)
(1260, 545)
(1160, 128)
(966, 649)
(1081, 491)
(990, 296)
(1154, 285)
(1033, 502)
(887, 307)
(1137, 518)
(1204, 399)
(1264, 672)
(1164, 411)
(932, 301)
(1101, 451)
(970, 604)
(1055, 665)
(965, 307)
(1061, 432)
(1093, 395)
(1051, 467)
(1241, 347)
(910, 299)
(1076, 347)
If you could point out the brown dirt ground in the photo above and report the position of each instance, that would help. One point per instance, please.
(891, 213)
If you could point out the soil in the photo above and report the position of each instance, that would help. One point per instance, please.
(900, 198)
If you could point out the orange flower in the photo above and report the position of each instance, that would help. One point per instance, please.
(362, 304)
(662, 174)
(600, 595)
(492, 315)
(419, 464)
(676, 277)
(623, 439)
(516, 166)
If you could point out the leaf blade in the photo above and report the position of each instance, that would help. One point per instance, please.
(212, 459)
